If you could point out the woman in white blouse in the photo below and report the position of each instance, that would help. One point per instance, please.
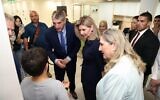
(124, 71)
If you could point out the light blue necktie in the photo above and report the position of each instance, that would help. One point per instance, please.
(62, 41)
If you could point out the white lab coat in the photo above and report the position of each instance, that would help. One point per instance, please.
(122, 82)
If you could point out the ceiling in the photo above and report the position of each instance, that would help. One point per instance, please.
(84, 0)
(81, 1)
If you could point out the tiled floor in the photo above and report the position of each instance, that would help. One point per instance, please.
(79, 90)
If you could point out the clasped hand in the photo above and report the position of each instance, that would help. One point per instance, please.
(154, 84)
(62, 62)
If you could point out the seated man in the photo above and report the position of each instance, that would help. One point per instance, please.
(39, 86)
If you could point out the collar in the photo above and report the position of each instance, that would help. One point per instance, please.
(64, 29)
(141, 32)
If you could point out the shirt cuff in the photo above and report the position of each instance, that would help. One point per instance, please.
(68, 58)
(55, 61)
(154, 76)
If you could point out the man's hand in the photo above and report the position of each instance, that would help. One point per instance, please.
(65, 61)
(154, 82)
(154, 86)
(59, 62)
(25, 41)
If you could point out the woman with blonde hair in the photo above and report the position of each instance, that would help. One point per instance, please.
(103, 26)
(93, 62)
(124, 70)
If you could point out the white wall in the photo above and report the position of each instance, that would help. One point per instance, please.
(43, 7)
(105, 12)
(108, 9)
(126, 8)
(46, 7)
(148, 5)
(158, 11)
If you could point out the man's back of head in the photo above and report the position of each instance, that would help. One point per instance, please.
(34, 61)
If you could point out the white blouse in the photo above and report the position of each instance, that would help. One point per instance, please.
(122, 82)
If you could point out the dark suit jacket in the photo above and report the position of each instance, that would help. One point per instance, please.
(147, 47)
(54, 48)
(131, 33)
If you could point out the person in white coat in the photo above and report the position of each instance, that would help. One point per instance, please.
(154, 86)
(124, 71)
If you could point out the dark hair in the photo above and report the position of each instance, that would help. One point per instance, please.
(34, 61)
(17, 17)
(158, 16)
(135, 17)
(16, 28)
(147, 14)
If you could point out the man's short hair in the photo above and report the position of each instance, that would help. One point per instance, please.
(59, 14)
(147, 14)
(8, 17)
(34, 61)
(33, 11)
(158, 16)
(135, 17)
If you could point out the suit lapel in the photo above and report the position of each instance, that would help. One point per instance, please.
(68, 34)
(55, 36)
(141, 38)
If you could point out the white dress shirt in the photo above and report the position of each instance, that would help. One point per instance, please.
(64, 35)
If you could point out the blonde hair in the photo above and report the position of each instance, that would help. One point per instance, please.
(123, 48)
(89, 22)
(103, 22)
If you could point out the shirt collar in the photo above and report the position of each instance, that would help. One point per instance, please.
(141, 32)
(64, 29)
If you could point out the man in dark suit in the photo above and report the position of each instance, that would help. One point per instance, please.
(145, 43)
(130, 32)
(62, 47)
